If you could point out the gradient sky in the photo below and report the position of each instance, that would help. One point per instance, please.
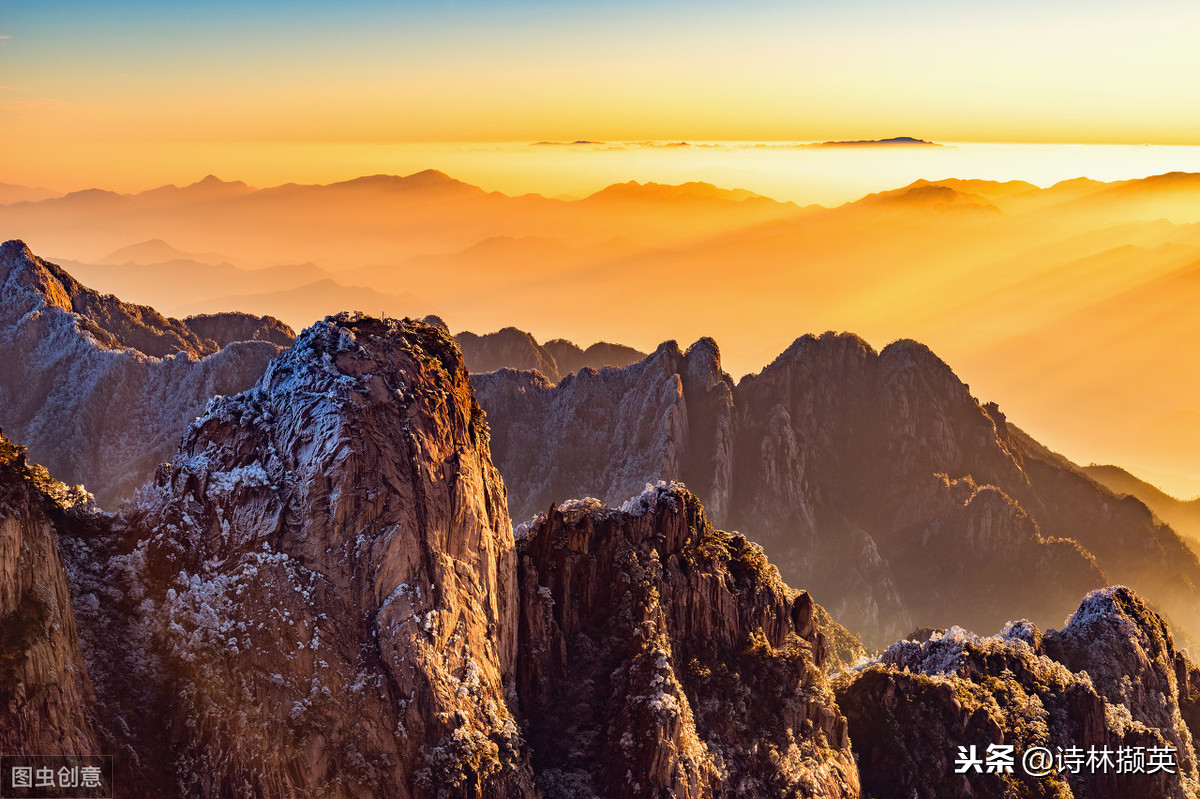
(134, 87)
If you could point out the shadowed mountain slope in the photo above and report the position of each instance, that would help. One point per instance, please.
(322, 594)
(1183, 515)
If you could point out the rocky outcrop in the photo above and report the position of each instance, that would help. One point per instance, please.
(874, 479)
(661, 657)
(46, 699)
(324, 576)
(99, 390)
(1109, 681)
(511, 348)
(601, 433)
(322, 595)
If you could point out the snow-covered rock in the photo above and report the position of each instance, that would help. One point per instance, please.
(328, 578)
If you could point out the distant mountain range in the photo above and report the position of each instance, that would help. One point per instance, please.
(295, 293)
(13, 193)
(100, 389)
(157, 251)
(510, 348)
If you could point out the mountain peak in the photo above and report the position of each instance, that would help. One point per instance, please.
(901, 141)
(346, 503)
(157, 251)
(81, 366)
(208, 187)
(923, 195)
(15, 250)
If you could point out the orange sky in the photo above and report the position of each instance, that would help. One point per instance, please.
(119, 92)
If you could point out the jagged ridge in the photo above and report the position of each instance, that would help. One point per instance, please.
(510, 348)
(872, 478)
(320, 595)
(1111, 677)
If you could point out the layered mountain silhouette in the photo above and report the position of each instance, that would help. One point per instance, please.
(321, 593)
(157, 251)
(1030, 292)
(100, 389)
(872, 478)
(296, 293)
(14, 193)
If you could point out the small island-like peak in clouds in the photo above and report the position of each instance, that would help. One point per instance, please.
(895, 141)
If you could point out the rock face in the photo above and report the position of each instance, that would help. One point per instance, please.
(603, 433)
(100, 390)
(873, 479)
(1111, 678)
(325, 574)
(660, 657)
(46, 699)
(511, 348)
(1182, 515)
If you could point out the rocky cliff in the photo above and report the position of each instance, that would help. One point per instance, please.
(874, 479)
(101, 390)
(46, 699)
(1110, 681)
(325, 574)
(661, 657)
